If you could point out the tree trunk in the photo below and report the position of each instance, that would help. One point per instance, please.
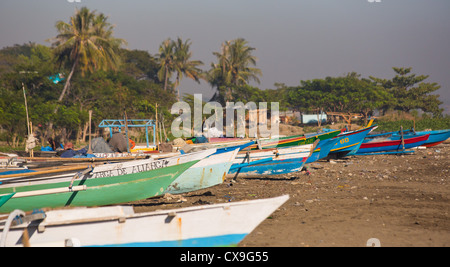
(15, 140)
(66, 85)
(78, 135)
(85, 130)
(166, 79)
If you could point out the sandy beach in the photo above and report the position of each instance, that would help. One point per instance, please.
(387, 200)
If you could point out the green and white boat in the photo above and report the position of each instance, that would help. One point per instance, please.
(91, 192)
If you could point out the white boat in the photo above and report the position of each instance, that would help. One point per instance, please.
(207, 172)
(275, 153)
(268, 162)
(10, 161)
(100, 171)
(200, 226)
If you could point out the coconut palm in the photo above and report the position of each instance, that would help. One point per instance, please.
(87, 44)
(184, 65)
(166, 59)
(234, 66)
(175, 56)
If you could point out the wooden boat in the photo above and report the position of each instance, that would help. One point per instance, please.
(207, 172)
(296, 140)
(323, 149)
(271, 161)
(220, 148)
(350, 142)
(10, 161)
(105, 170)
(436, 137)
(392, 145)
(92, 192)
(200, 226)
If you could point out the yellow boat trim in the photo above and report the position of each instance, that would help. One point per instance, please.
(344, 147)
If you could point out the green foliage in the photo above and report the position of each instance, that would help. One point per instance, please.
(13, 115)
(338, 94)
(175, 56)
(139, 64)
(109, 94)
(235, 67)
(421, 124)
(410, 92)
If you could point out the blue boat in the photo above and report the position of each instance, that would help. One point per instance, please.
(436, 137)
(271, 161)
(231, 148)
(323, 149)
(223, 149)
(267, 167)
(398, 145)
(350, 143)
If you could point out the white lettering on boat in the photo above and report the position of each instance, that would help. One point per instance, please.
(157, 164)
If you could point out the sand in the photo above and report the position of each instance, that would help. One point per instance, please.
(388, 200)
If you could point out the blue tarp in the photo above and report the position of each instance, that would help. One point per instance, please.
(15, 172)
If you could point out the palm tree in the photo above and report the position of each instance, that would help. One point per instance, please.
(166, 60)
(86, 43)
(234, 67)
(175, 56)
(183, 64)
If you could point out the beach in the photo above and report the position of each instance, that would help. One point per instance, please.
(376, 200)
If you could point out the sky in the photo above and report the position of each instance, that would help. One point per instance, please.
(294, 39)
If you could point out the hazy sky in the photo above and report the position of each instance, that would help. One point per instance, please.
(295, 39)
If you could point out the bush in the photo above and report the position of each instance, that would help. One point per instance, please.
(420, 125)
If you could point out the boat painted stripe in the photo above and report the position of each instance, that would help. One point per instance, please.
(340, 148)
(357, 132)
(395, 142)
(213, 241)
(433, 144)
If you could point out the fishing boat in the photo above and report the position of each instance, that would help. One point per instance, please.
(272, 161)
(296, 140)
(436, 137)
(392, 145)
(207, 172)
(323, 149)
(119, 226)
(350, 142)
(9, 161)
(67, 174)
(92, 192)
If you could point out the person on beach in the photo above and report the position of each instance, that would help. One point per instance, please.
(55, 144)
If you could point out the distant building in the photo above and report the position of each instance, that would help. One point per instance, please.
(314, 118)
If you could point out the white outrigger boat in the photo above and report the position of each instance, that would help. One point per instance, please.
(200, 226)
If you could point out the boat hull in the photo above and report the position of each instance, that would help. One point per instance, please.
(436, 137)
(297, 140)
(274, 167)
(323, 149)
(392, 145)
(350, 142)
(200, 226)
(98, 191)
(208, 172)
(104, 170)
(271, 161)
